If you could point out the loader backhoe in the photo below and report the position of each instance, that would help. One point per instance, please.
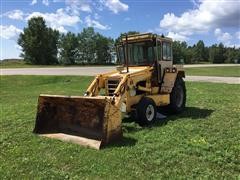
(144, 80)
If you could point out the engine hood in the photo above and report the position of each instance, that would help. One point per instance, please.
(131, 70)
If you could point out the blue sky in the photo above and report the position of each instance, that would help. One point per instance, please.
(213, 21)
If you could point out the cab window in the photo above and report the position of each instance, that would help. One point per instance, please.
(158, 51)
(167, 51)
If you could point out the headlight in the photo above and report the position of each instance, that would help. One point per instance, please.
(132, 92)
(123, 108)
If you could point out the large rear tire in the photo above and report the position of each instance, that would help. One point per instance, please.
(146, 112)
(177, 97)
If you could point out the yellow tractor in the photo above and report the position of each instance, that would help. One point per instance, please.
(146, 80)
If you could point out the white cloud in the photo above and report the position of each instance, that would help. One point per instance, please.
(93, 23)
(34, 2)
(18, 47)
(209, 15)
(15, 14)
(61, 29)
(45, 2)
(115, 6)
(223, 37)
(177, 36)
(226, 38)
(155, 30)
(76, 6)
(237, 35)
(57, 20)
(85, 8)
(9, 32)
(195, 3)
(96, 16)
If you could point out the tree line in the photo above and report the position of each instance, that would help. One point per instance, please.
(43, 45)
(217, 53)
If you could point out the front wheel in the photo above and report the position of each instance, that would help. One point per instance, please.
(146, 111)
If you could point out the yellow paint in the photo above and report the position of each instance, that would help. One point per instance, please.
(131, 87)
(160, 99)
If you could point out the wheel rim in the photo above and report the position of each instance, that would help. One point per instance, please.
(150, 112)
(179, 97)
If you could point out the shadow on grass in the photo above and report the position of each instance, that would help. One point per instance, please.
(194, 113)
(124, 142)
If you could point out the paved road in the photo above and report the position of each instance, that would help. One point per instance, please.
(91, 71)
(88, 71)
(214, 79)
(209, 65)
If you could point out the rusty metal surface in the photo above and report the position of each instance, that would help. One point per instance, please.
(89, 121)
(78, 116)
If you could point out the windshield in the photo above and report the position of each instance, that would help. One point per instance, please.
(141, 53)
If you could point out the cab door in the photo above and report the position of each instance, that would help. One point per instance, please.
(166, 57)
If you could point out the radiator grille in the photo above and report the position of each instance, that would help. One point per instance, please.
(112, 86)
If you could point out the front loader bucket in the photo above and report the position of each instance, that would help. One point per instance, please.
(88, 121)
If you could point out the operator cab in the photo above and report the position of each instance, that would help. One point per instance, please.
(145, 50)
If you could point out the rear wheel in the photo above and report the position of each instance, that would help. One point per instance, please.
(177, 97)
(146, 111)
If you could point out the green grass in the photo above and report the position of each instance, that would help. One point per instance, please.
(16, 63)
(203, 142)
(233, 71)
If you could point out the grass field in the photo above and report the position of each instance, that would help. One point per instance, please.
(12, 63)
(203, 142)
(233, 71)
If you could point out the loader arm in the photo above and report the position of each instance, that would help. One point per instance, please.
(98, 83)
(94, 87)
(91, 120)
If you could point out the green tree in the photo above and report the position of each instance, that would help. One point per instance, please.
(103, 49)
(231, 55)
(206, 57)
(39, 43)
(199, 51)
(179, 51)
(217, 53)
(68, 48)
(189, 55)
(213, 53)
(221, 53)
(87, 46)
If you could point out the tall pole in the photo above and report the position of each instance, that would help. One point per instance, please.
(127, 52)
(158, 69)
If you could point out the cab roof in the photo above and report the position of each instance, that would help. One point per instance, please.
(144, 37)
